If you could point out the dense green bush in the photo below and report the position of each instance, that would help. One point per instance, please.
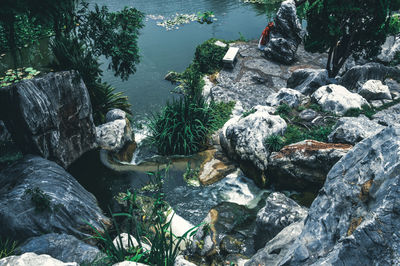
(274, 143)
(208, 56)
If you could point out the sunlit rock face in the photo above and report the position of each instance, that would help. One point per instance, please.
(50, 116)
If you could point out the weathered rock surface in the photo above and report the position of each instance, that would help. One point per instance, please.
(337, 99)
(285, 37)
(243, 137)
(354, 129)
(115, 114)
(304, 165)
(4, 134)
(71, 206)
(50, 116)
(308, 80)
(30, 259)
(354, 78)
(287, 96)
(63, 247)
(278, 247)
(390, 49)
(389, 116)
(355, 218)
(375, 90)
(278, 213)
(308, 115)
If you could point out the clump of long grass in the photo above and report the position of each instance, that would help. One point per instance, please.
(7, 247)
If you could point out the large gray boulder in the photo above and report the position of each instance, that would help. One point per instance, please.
(287, 96)
(61, 205)
(304, 165)
(355, 219)
(31, 259)
(242, 138)
(279, 212)
(63, 247)
(308, 80)
(352, 130)
(337, 99)
(354, 78)
(285, 37)
(389, 116)
(50, 116)
(375, 90)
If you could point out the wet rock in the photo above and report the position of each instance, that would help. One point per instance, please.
(307, 81)
(354, 129)
(308, 115)
(375, 90)
(54, 116)
(277, 248)
(63, 247)
(33, 259)
(304, 165)
(279, 212)
(227, 231)
(354, 78)
(67, 209)
(4, 134)
(285, 37)
(214, 167)
(290, 97)
(242, 138)
(337, 99)
(389, 116)
(355, 218)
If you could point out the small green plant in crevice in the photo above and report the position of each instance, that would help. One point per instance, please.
(283, 110)
(40, 200)
(248, 112)
(12, 76)
(221, 113)
(7, 247)
(274, 143)
(366, 110)
(191, 175)
(315, 107)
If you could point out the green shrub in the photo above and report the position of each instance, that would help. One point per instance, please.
(274, 143)
(221, 112)
(182, 126)
(293, 134)
(7, 248)
(209, 56)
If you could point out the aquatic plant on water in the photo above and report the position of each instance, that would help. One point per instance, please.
(12, 76)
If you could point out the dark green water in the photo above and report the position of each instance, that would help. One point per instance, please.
(162, 50)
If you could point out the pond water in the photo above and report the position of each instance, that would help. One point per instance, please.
(162, 51)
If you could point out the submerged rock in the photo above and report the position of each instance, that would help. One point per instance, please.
(38, 196)
(243, 137)
(304, 165)
(337, 99)
(354, 129)
(355, 218)
(375, 90)
(279, 212)
(63, 247)
(33, 259)
(285, 37)
(308, 80)
(54, 116)
(290, 97)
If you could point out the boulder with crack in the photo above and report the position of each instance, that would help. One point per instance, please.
(337, 99)
(304, 165)
(352, 130)
(285, 37)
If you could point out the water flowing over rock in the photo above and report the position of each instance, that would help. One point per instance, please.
(389, 116)
(287, 96)
(50, 116)
(279, 212)
(307, 81)
(354, 129)
(243, 137)
(354, 78)
(63, 247)
(68, 209)
(337, 99)
(375, 90)
(31, 259)
(304, 165)
(355, 218)
(285, 37)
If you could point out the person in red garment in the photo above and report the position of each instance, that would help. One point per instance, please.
(265, 36)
